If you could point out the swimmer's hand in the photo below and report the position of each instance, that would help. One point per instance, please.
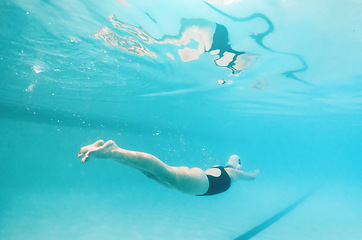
(254, 173)
(98, 149)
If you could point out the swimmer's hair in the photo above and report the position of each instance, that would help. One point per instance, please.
(234, 162)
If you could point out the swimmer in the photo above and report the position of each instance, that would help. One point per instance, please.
(187, 180)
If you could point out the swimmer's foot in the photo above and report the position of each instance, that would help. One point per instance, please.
(98, 149)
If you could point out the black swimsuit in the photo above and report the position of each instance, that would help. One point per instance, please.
(218, 184)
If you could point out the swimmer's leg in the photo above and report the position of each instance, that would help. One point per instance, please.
(150, 175)
(193, 181)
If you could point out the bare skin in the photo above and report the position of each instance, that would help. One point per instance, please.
(187, 180)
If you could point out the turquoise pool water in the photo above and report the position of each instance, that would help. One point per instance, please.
(191, 82)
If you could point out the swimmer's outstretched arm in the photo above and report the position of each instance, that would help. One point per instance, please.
(236, 175)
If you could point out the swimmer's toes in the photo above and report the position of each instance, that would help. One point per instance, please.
(85, 158)
(86, 149)
(83, 150)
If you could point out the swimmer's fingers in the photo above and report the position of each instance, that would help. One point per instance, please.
(255, 173)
